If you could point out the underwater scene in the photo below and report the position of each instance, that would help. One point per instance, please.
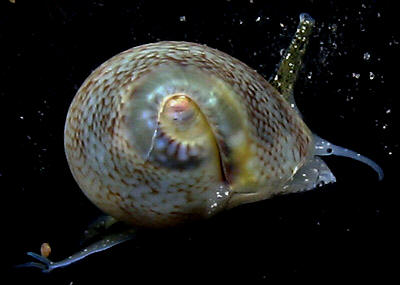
(248, 141)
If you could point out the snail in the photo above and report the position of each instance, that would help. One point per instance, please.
(169, 132)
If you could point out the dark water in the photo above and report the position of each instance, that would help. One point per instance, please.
(337, 232)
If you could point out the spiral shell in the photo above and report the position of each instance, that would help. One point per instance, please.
(173, 131)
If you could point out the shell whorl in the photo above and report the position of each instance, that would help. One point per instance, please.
(166, 132)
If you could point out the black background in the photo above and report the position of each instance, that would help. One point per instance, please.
(334, 233)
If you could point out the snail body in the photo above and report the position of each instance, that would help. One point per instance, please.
(171, 131)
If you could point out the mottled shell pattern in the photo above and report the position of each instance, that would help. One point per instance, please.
(168, 132)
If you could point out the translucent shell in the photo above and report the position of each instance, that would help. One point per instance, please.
(172, 131)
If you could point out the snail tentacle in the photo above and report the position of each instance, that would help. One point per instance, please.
(325, 148)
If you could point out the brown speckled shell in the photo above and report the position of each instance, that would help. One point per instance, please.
(110, 170)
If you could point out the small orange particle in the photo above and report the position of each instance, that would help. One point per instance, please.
(45, 249)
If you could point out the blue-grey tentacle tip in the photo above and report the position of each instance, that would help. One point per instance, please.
(323, 148)
(381, 175)
(45, 264)
(306, 17)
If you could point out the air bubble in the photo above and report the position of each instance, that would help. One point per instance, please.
(367, 56)
(371, 75)
(332, 27)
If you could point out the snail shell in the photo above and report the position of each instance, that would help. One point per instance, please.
(173, 131)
